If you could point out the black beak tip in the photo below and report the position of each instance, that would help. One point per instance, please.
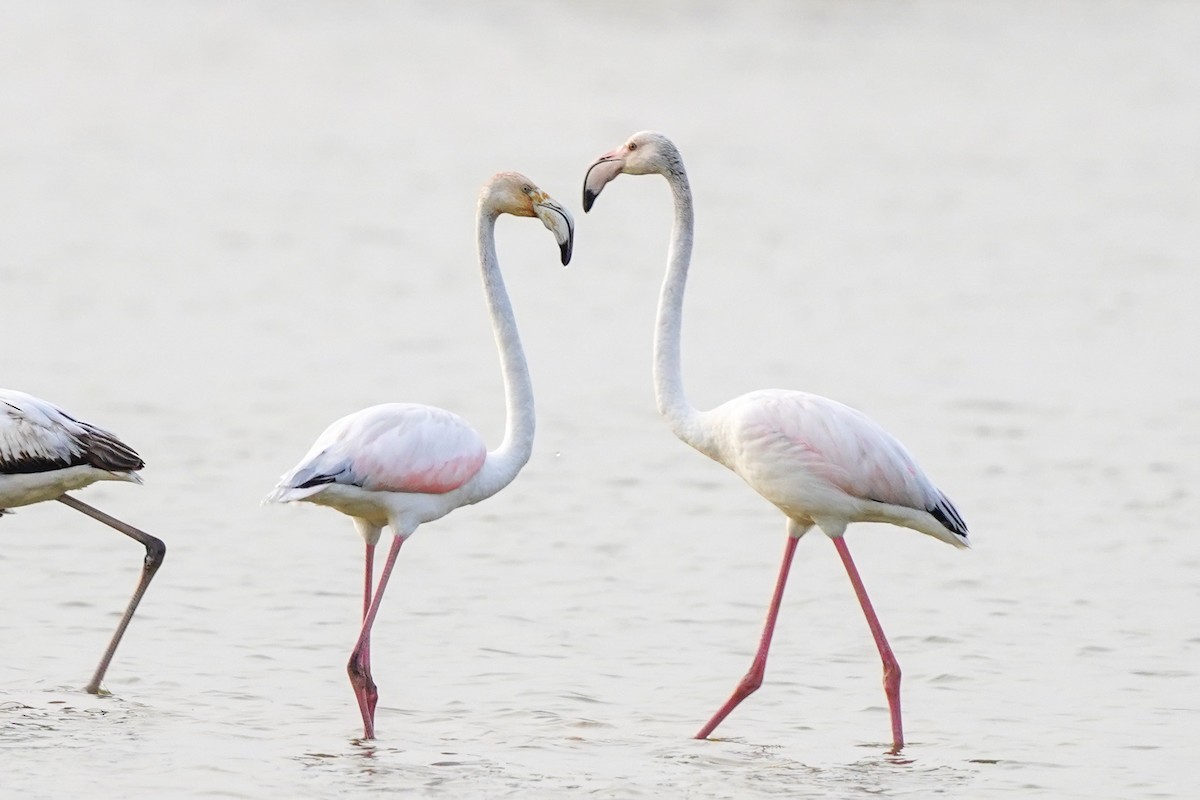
(565, 250)
(589, 197)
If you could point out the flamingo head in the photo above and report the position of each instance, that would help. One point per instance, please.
(644, 153)
(513, 193)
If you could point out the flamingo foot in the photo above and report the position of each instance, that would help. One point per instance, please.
(891, 687)
(365, 691)
(748, 685)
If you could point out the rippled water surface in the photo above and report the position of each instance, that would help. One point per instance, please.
(223, 225)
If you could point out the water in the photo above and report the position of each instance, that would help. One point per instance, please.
(225, 224)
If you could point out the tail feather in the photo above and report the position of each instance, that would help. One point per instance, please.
(945, 513)
(105, 451)
(288, 494)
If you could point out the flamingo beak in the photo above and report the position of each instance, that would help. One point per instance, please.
(558, 221)
(602, 170)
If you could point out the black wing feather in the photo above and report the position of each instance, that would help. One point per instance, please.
(945, 512)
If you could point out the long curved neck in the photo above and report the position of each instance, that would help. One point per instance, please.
(668, 372)
(505, 461)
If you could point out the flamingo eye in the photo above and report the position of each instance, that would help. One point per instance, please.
(527, 189)
(632, 146)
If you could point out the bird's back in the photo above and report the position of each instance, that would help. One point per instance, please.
(37, 436)
(815, 457)
(394, 447)
(44, 451)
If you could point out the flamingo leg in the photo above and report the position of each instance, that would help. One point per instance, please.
(371, 695)
(359, 667)
(891, 667)
(754, 678)
(156, 551)
(368, 580)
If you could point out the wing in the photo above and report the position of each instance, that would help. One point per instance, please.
(839, 446)
(396, 447)
(37, 436)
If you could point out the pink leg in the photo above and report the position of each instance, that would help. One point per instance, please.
(891, 668)
(754, 678)
(359, 668)
(372, 693)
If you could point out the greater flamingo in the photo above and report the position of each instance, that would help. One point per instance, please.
(402, 464)
(45, 453)
(820, 462)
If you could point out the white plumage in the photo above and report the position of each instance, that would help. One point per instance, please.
(45, 452)
(400, 465)
(820, 462)
(828, 464)
(393, 447)
(397, 462)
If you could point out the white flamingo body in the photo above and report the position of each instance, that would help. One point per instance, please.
(404, 461)
(820, 462)
(825, 463)
(46, 453)
(400, 465)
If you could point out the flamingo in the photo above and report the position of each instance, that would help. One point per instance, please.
(818, 461)
(402, 464)
(46, 453)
